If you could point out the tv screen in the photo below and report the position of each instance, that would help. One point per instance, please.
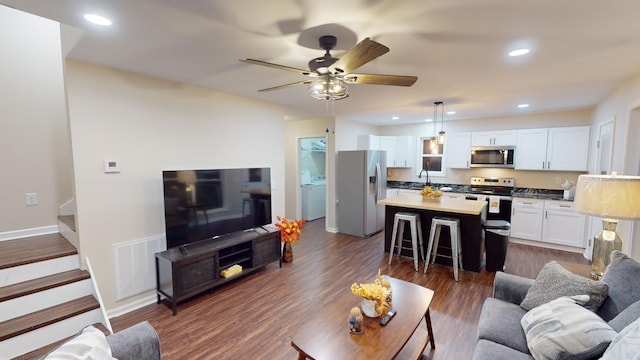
(204, 204)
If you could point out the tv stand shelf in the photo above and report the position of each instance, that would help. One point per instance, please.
(188, 270)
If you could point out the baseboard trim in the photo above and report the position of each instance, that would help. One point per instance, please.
(23, 233)
(133, 305)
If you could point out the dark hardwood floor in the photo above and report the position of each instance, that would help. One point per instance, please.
(256, 316)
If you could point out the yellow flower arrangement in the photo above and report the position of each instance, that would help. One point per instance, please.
(379, 290)
(290, 229)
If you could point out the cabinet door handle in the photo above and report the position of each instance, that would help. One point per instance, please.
(543, 164)
(565, 206)
(545, 214)
(548, 164)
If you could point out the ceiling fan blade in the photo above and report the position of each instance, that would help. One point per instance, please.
(276, 66)
(375, 79)
(304, 82)
(362, 53)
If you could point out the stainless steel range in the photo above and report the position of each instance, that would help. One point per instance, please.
(497, 192)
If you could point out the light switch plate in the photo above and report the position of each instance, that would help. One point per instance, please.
(32, 199)
(111, 166)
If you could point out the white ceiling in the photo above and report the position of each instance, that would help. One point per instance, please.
(581, 49)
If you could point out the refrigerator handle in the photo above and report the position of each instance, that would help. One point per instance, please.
(377, 181)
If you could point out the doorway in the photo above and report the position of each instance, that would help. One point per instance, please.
(313, 176)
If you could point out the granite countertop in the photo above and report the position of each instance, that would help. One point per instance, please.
(470, 207)
(529, 193)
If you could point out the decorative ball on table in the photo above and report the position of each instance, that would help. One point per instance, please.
(356, 321)
(290, 232)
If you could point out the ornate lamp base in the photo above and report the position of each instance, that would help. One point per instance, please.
(603, 244)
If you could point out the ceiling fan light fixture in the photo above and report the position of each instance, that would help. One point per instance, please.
(328, 88)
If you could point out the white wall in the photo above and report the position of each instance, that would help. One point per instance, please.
(619, 106)
(34, 139)
(150, 125)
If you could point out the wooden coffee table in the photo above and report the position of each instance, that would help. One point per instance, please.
(326, 335)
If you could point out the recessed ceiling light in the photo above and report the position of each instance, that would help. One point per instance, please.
(395, 117)
(97, 19)
(428, 120)
(518, 52)
(522, 106)
(450, 112)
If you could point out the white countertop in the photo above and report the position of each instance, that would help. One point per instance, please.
(459, 206)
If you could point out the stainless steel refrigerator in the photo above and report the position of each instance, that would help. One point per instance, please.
(361, 180)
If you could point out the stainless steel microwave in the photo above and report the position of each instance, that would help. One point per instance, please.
(493, 156)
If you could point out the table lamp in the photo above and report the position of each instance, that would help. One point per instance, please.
(611, 197)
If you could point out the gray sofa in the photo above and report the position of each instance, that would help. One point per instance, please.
(137, 342)
(501, 335)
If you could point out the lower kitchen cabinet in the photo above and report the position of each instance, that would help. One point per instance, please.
(549, 221)
(562, 225)
(526, 218)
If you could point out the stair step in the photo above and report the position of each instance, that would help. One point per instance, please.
(33, 249)
(38, 319)
(69, 220)
(41, 352)
(41, 284)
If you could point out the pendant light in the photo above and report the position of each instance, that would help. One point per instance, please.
(433, 142)
(441, 133)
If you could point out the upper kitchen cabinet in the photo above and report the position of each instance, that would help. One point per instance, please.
(568, 148)
(560, 149)
(458, 150)
(493, 138)
(400, 149)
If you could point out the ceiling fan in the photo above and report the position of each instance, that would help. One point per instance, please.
(329, 77)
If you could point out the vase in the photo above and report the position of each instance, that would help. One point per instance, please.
(369, 308)
(287, 253)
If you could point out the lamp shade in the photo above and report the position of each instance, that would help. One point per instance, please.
(608, 196)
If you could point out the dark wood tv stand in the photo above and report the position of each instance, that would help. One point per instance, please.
(188, 270)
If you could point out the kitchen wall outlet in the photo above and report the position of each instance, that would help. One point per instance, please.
(32, 199)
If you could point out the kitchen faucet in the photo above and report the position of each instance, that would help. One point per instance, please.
(427, 182)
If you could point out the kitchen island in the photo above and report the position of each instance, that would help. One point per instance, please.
(470, 212)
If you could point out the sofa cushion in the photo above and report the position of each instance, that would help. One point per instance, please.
(488, 350)
(623, 278)
(625, 345)
(626, 317)
(563, 329)
(91, 344)
(554, 281)
(500, 323)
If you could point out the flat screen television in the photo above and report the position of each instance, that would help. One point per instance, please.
(206, 204)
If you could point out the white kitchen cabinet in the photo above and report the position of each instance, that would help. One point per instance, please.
(458, 150)
(493, 138)
(526, 218)
(400, 149)
(531, 149)
(562, 225)
(450, 195)
(568, 148)
(560, 149)
(408, 192)
(369, 142)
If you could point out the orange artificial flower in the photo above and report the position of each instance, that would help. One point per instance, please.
(290, 229)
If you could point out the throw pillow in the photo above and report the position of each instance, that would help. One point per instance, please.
(625, 345)
(623, 278)
(554, 281)
(91, 344)
(562, 328)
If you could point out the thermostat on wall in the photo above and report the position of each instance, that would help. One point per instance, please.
(111, 166)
